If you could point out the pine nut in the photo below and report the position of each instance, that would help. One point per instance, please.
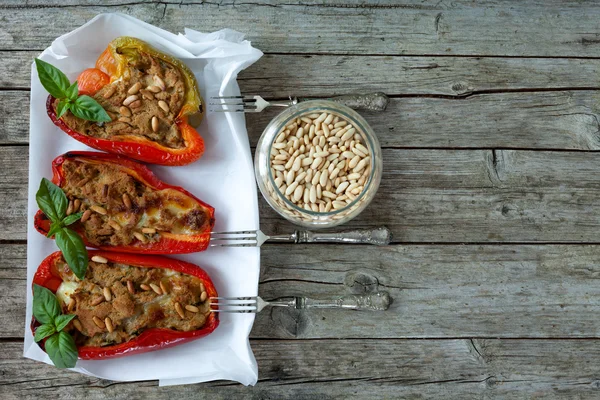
(163, 105)
(126, 200)
(300, 177)
(109, 92)
(341, 187)
(362, 148)
(179, 310)
(97, 300)
(70, 207)
(154, 89)
(135, 88)
(323, 178)
(192, 308)
(77, 325)
(130, 287)
(353, 176)
(125, 120)
(71, 305)
(354, 162)
(136, 104)
(76, 205)
(156, 289)
(298, 192)
(98, 209)
(113, 224)
(99, 323)
(99, 259)
(338, 204)
(361, 165)
(334, 174)
(130, 99)
(291, 188)
(203, 296)
(154, 124)
(306, 195)
(163, 287)
(109, 325)
(145, 287)
(146, 94)
(149, 231)
(107, 294)
(313, 194)
(159, 82)
(139, 237)
(329, 195)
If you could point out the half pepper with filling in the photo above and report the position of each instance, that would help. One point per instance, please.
(129, 303)
(126, 208)
(149, 96)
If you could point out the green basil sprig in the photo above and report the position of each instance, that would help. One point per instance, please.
(59, 345)
(58, 85)
(53, 202)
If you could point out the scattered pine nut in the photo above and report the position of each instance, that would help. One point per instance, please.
(99, 323)
(99, 259)
(109, 325)
(154, 89)
(179, 310)
(156, 289)
(126, 112)
(136, 104)
(149, 231)
(135, 88)
(130, 99)
(114, 224)
(127, 200)
(145, 287)
(192, 308)
(154, 124)
(77, 325)
(163, 105)
(163, 287)
(98, 209)
(203, 297)
(130, 287)
(108, 94)
(139, 237)
(107, 294)
(97, 300)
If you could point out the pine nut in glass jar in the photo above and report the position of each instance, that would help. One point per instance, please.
(318, 164)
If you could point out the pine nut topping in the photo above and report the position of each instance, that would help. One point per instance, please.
(114, 224)
(136, 104)
(130, 99)
(98, 209)
(192, 308)
(149, 231)
(124, 111)
(154, 89)
(179, 310)
(154, 124)
(163, 287)
(203, 297)
(127, 200)
(99, 259)
(109, 325)
(97, 300)
(76, 205)
(159, 82)
(135, 88)
(163, 104)
(145, 287)
(70, 207)
(77, 325)
(139, 237)
(156, 289)
(130, 287)
(99, 323)
(109, 92)
(107, 294)
(146, 94)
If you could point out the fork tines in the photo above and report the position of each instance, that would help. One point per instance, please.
(235, 304)
(240, 103)
(234, 239)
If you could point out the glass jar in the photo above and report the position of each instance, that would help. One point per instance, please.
(267, 181)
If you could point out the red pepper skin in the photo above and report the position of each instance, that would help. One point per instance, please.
(168, 243)
(143, 150)
(151, 339)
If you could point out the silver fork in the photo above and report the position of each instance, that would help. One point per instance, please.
(379, 301)
(379, 236)
(246, 103)
(370, 102)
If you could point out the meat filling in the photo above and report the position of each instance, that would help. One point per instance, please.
(117, 302)
(158, 90)
(119, 209)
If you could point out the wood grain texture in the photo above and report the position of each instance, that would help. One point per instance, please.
(522, 291)
(536, 28)
(333, 369)
(562, 120)
(328, 75)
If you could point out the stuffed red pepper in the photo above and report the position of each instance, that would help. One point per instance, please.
(125, 208)
(128, 303)
(148, 95)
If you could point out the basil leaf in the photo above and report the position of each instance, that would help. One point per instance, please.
(52, 79)
(43, 331)
(74, 251)
(62, 108)
(89, 109)
(62, 350)
(72, 92)
(54, 227)
(69, 219)
(63, 320)
(45, 305)
(51, 200)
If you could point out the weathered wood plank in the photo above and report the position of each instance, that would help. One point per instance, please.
(434, 196)
(323, 75)
(536, 291)
(536, 28)
(471, 369)
(564, 120)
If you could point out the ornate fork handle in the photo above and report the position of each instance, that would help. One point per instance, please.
(379, 236)
(379, 301)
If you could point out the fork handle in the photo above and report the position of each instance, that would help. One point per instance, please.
(379, 301)
(377, 101)
(379, 236)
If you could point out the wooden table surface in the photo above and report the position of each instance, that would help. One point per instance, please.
(491, 187)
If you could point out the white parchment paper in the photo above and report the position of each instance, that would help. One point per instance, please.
(223, 177)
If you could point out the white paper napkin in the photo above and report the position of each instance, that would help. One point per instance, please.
(223, 177)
